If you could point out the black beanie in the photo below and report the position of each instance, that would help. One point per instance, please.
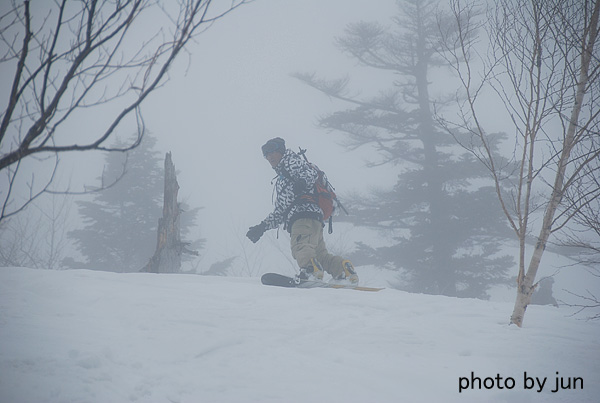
(276, 144)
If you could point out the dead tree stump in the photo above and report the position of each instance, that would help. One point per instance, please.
(167, 257)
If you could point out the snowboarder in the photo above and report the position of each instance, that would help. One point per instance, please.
(301, 216)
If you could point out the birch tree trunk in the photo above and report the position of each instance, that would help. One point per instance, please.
(525, 284)
(543, 66)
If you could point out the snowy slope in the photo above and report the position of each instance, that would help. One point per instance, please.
(86, 336)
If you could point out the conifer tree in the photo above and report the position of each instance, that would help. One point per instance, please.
(120, 223)
(443, 213)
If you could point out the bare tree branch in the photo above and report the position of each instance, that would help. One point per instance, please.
(84, 56)
(540, 64)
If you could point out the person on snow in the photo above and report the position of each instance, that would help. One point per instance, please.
(301, 216)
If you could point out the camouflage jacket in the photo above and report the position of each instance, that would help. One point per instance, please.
(288, 206)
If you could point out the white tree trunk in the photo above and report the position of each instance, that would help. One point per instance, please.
(525, 284)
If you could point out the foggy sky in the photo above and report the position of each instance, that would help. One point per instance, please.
(235, 92)
(231, 92)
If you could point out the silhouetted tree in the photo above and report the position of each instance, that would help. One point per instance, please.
(120, 222)
(64, 61)
(447, 228)
(543, 65)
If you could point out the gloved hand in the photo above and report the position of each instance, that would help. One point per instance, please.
(254, 233)
(299, 187)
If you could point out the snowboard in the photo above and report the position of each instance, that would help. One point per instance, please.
(280, 280)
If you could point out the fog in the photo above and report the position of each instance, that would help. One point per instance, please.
(232, 90)
(225, 96)
(235, 91)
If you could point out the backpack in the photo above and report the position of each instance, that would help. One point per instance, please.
(324, 194)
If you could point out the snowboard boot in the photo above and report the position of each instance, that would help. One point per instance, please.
(348, 273)
(314, 271)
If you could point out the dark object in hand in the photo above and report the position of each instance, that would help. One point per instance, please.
(254, 233)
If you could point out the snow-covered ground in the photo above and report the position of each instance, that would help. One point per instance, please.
(86, 336)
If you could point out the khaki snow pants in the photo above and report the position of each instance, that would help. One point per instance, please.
(307, 242)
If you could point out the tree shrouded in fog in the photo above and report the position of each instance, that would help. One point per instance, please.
(543, 66)
(447, 228)
(68, 62)
(120, 223)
